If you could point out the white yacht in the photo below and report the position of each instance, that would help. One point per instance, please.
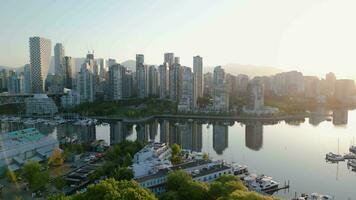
(352, 163)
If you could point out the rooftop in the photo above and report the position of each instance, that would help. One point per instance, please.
(13, 139)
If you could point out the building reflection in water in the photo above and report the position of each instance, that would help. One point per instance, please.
(153, 130)
(220, 138)
(164, 131)
(318, 116)
(119, 131)
(82, 134)
(254, 135)
(340, 117)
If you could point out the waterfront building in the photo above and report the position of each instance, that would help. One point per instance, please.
(27, 79)
(311, 87)
(59, 68)
(85, 83)
(150, 159)
(200, 170)
(13, 83)
(198, 78)
(242, 82)
(287, 84)
(152, 81)
(40, 104)
(68, 69)
(20, 146)
(255, 99)
(128, 84)
(40, 57)
(186, 97)
(163, 80)
(141, 76)
(345, 90)
(70, 99)
(175, 77)
(221, 97)
(3, 79)
(255, 95)
(208, 84)
(116, 84)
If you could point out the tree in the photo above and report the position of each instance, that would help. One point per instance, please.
(176, 150)
(205, 156)
(122, 173)
(176, 157)
(177, 179)
(183, 184)
(58, 197)
(11, 176)
(59, 182)
(36, 178)
(56, 158)
(110, 189)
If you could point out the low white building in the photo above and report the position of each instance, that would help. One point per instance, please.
(40, 104)
(17, 147)
(151, 158)
(200, 170)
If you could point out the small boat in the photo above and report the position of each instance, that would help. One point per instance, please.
(316, 196)
(352, 149)
(352, 163)
(334, 157)
(350, 156)
(239, 169)
(263, 183)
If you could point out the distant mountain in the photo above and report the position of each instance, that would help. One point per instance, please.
(130, 64)
(250, 70)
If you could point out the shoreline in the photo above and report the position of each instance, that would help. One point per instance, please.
(202, 117)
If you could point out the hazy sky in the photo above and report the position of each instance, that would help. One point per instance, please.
(313, 36)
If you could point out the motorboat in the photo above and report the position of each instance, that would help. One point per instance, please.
(352, 163)
(263, 183)
(353, 149)
(239, 169)
(334, 157)
(316, 196)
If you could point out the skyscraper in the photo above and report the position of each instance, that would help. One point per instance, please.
(198, 78)
(68, 72)
(221, 98)
(152, 81)
(27, 79)
(85, 84)
(141, 76)
(169, 58)
(186, 95)
(174, 81)
(40, 57)
(163, 81)
(116, 77)
(255, 95)
(59, 59)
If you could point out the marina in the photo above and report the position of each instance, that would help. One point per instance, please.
(291, 152)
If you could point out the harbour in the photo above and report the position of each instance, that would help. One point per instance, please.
(291, 151)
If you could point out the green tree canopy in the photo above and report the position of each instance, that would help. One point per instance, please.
(110, 189)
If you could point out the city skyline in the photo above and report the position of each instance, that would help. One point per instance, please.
(294, 36)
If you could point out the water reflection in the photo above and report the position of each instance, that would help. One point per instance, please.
(340, 117)
(254, 135)
(220, 138)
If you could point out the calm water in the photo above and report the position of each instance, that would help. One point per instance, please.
(293, 151)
